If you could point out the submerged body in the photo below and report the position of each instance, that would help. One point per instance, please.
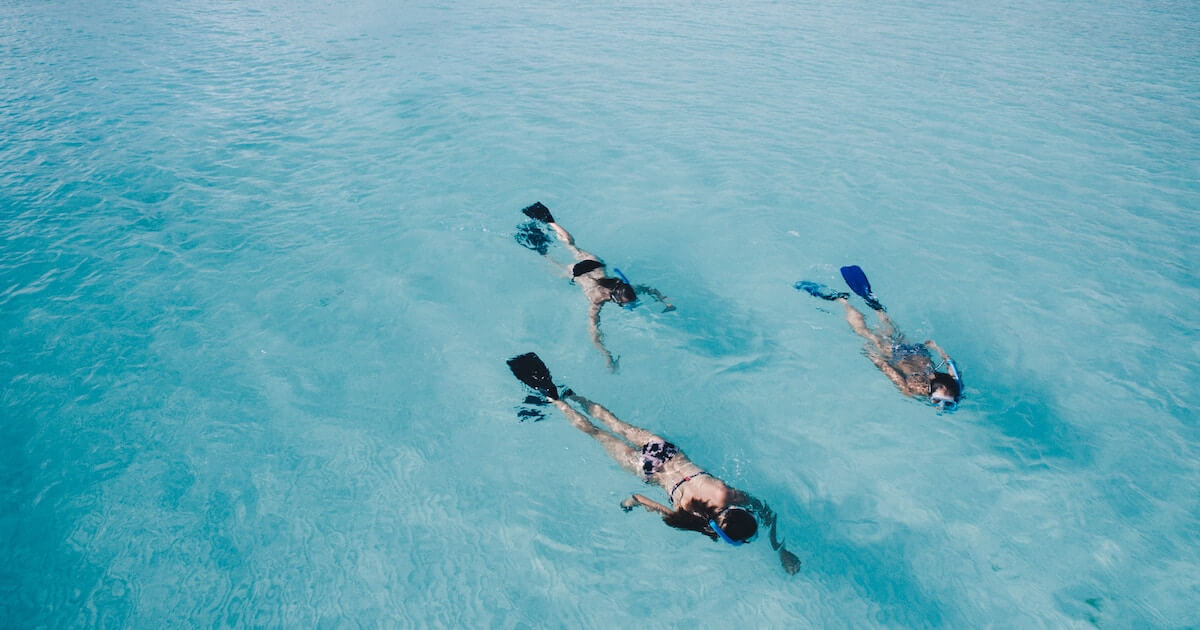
(699, 501)
(910, 366)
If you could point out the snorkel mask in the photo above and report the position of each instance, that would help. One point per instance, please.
(943, 403)
(947, 403)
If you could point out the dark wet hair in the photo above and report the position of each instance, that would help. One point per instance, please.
(682, 519)
(621, 292)
(738, 524)
(941, 379)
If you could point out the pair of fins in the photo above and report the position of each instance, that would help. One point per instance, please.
(529, 368)
(855, 279)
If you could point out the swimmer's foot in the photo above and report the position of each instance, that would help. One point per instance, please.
(820, 291)
(538, 212)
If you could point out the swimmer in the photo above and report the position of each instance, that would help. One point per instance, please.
(910, 366)
(701, 502)
(589, 272)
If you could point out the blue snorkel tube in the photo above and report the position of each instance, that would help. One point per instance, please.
(957, 379)
(721, 533)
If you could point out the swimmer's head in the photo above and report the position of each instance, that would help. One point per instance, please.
(942, 383)
(618, 291)
(943, 390)
(624, 294)
(737, 524)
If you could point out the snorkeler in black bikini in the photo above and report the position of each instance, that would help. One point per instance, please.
(910, 366)
(589, 273)
(702, 503)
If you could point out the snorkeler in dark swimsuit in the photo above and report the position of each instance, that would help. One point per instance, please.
(702, 503)
(590, 274)
(910, 366)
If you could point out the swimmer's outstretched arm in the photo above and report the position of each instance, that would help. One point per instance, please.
(889, 371)
(656, 294)
(766, 515)
(932, 345)
(598, 337)
(650, 504)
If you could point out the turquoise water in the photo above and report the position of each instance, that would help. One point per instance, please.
(258, 283)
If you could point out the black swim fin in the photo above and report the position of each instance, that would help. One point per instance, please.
(529, 369)
(530, 235)
(538, 212)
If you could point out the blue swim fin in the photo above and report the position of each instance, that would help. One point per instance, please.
(819, 290)
(857, 281)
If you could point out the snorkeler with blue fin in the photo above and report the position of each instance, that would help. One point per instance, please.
(910, 366)
(701, 502)
(588, 272)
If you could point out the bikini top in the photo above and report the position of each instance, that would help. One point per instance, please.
(686, 479)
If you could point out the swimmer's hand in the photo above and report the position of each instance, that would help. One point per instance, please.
(790, 562)
(629, 504)
(932, 345)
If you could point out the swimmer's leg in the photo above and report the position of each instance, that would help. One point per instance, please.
(569, 241)
(566, 238)
(887, 328)
(859, 324)
(539, 212)
(628, 457)
(635, 435)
